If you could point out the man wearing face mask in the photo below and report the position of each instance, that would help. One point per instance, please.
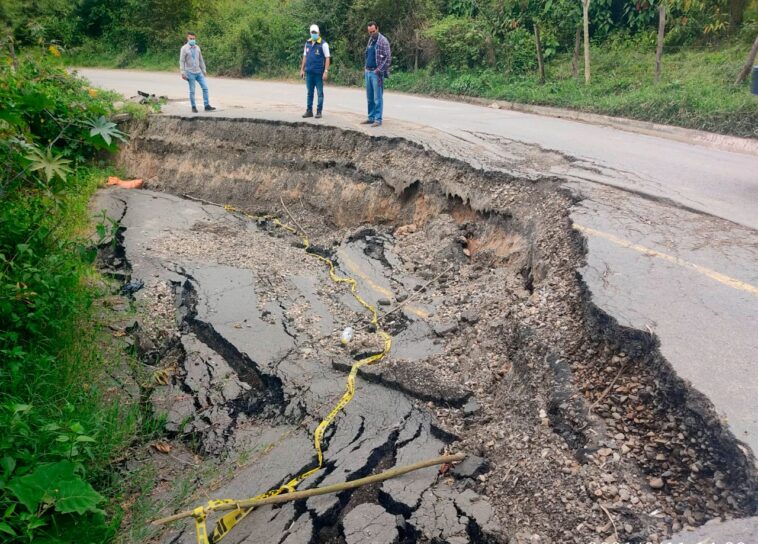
(378, 60)
(192, 66)
(315, 69)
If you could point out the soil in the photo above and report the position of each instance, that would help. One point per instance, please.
(584, 431)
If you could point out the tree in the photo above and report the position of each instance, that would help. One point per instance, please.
(540, 62)
(661, 35)
(736, 12)
(586, 19)
(749, 64)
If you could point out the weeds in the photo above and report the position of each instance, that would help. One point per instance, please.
(61, 427)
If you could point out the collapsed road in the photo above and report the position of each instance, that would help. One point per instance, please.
(577, 428)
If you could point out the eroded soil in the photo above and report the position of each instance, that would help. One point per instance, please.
(577, 429)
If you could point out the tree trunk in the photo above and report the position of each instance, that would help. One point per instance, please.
(586, 17)
(416, 48)
(538, 44)
(575, 59)
(12, 52)
(661, 36)
(736, 13)
(490, 48)
(749, 64)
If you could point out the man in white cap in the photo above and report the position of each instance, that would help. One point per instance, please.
(315, 69)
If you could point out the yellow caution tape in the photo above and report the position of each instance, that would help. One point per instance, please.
(227, 522)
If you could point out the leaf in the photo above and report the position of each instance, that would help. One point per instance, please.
(105, 129)
(162, 447)
(5, 528)
(85, 438)
(33, 488)
(77, 428)
(52, 165)
(57, 485)
(77, 496)
(7, 463)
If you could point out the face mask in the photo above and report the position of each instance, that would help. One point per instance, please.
(191, 42)
(314, 37)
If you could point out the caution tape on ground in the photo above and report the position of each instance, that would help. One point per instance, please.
(227, 522)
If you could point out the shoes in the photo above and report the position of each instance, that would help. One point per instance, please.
(376, 124)
(367, 122)
(308, 113)
(318, 115)
(209, 108)
(194, 109)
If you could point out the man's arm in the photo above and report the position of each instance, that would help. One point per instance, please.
(383, 55)
(328, 56)
(202, 63)
(182, 64)
(302, 64)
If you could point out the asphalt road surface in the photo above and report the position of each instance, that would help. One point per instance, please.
(671, 226)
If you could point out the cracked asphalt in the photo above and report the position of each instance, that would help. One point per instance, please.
(674, 249)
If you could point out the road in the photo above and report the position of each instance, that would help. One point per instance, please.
(671, 227)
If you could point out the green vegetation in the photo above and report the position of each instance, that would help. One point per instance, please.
(481, 48)
(61, 426)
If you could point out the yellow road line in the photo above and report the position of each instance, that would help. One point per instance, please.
(712, 274)
(356, 270)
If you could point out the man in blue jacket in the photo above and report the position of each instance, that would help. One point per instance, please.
(315, 69)
(378, 60)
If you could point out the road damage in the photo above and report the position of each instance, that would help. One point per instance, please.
(583, 430)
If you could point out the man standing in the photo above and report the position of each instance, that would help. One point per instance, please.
(192, 66)
(378, 60)
(315, 68)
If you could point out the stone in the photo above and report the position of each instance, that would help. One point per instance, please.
(471, 407)
(470, 316)
(384, 302)
(446, 327)
(471, 467)
(656, 483)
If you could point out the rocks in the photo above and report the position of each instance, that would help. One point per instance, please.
(656, 483)
(384, 302)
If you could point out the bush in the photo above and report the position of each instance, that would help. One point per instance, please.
(461, 42)
(58, 431)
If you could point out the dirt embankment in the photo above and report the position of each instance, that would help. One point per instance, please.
(582, 429)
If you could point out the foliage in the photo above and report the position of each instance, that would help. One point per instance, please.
(58, 430)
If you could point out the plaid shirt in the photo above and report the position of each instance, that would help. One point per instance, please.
(383, 54)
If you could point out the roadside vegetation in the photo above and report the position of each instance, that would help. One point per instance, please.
(62, 424)
(667, 61)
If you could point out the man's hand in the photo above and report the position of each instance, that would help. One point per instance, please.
(184, 77)
(302, 73)
(326, 75)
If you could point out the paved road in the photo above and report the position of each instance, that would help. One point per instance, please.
(671, 227)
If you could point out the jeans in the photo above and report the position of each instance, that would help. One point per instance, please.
(191, 78)
(314, 82)
(374, 94)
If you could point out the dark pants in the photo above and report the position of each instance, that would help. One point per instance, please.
(315, 82)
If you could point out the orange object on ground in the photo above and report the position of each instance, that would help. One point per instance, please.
(125, 183)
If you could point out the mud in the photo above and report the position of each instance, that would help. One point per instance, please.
(583, 430)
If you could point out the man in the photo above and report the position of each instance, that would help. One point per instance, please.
(378, 60)
(315, 68)
(192, 66)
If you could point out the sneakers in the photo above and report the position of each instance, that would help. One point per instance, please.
(209, 108)
(194, 109)
(318, 115)
(376, 124)
(367, 122)
(308, 113)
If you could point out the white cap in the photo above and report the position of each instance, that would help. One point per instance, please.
(314, 28)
